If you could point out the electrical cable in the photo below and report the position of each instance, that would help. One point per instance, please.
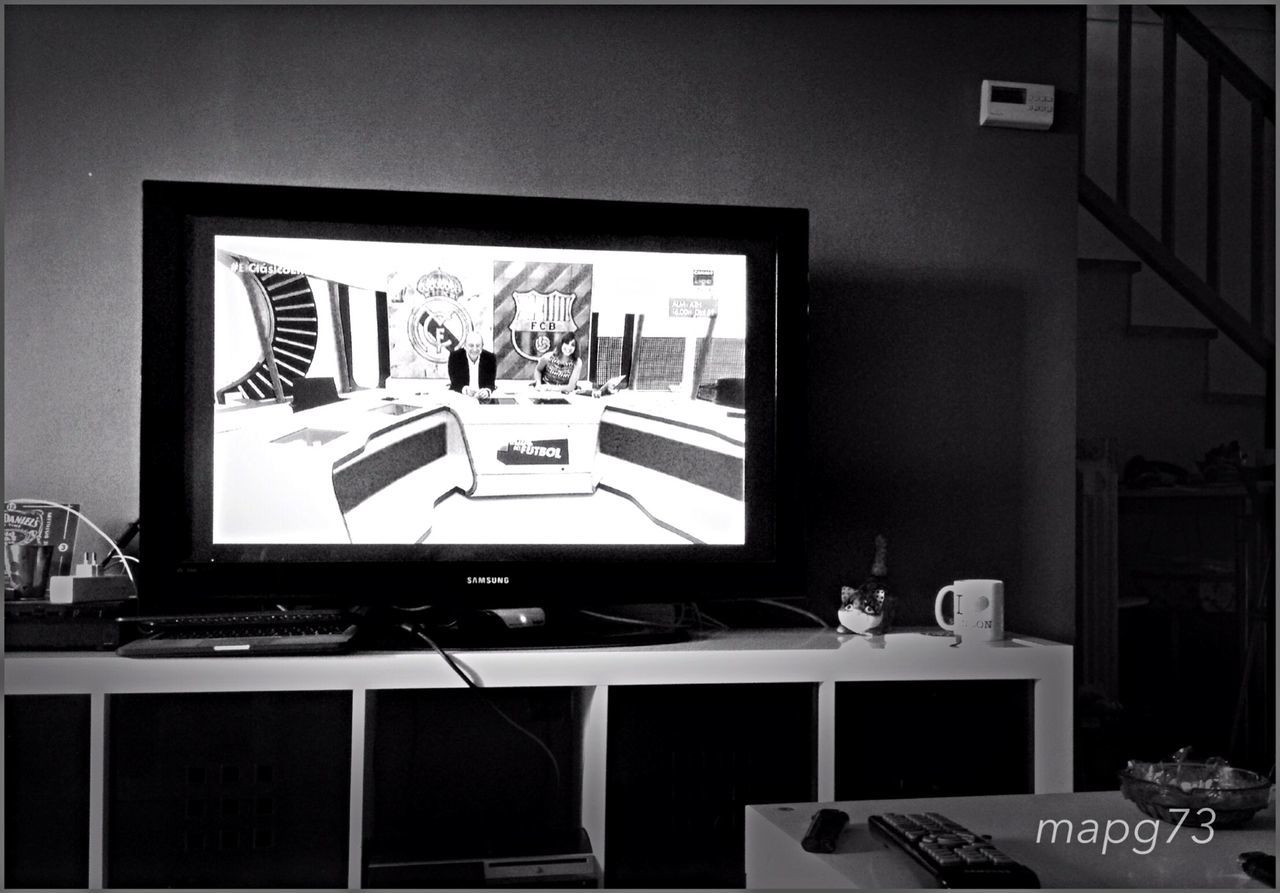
(635, 621)
(708, 620)
(121, 558)
(555, 764)
(448, 658)
(472, 683)
(680, 622)
(778, 604)
(412, 609)
(85, 519)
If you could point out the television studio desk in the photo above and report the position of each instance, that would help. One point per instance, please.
(375, 466)
(813, 667)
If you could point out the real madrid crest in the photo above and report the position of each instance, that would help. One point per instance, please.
(437, 327)
(439, 324)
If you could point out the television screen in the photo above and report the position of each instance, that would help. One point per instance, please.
(402, 458)
(346, 391)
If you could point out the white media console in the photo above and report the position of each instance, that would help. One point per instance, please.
(817, 657)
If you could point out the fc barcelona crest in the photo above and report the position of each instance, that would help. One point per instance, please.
(437, 327)
(541, 317)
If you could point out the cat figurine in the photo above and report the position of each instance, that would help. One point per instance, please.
(868, 609)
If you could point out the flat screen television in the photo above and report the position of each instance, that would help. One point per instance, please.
(303, 440)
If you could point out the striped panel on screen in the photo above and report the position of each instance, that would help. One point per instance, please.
(546, 281)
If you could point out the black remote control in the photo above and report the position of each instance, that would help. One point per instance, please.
(823, 830)
(1259, 866)
(951, 853)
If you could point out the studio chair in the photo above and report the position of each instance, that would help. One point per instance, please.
(309, 393)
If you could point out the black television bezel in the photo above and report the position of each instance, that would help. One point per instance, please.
(177, 403)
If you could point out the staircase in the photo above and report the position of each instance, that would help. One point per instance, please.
(1176, 350)
(1147, 386)
(1177, 177)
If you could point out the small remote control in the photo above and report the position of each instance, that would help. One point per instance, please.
(1259, 866)
(823, 830)
(951, 853)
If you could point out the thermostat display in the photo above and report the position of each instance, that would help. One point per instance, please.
(1011, 104)
(1012, 95)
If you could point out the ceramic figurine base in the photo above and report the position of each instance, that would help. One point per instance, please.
(860, 623)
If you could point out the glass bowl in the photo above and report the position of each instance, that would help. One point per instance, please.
(1158, 789)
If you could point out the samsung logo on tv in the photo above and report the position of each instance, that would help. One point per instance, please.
(484, 581)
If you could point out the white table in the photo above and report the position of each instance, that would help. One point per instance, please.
(776, 860)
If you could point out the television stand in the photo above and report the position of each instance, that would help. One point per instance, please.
(507, 628)
(660, 731)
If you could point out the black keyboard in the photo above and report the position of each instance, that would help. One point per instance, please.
(250, 633)
(952, 854)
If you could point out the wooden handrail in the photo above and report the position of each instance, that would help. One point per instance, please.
(1183, 279)
(1207, 44)
(1257, 221)
(1213, 187)
(1223, 63)
(1179, 23)
(1124, 93)
(1169, 135)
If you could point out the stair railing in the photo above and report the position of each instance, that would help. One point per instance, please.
(1159, 252)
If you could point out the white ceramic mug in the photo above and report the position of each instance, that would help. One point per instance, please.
(977, 610)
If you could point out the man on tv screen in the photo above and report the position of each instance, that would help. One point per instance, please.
(472, 369)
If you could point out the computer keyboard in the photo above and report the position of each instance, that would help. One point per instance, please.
(952, 854)
(248, 633)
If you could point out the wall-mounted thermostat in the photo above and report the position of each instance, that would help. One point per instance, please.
(1010, 104)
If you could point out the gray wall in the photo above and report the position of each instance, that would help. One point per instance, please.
(943, 254)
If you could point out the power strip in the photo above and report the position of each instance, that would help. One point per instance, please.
(64, 590)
